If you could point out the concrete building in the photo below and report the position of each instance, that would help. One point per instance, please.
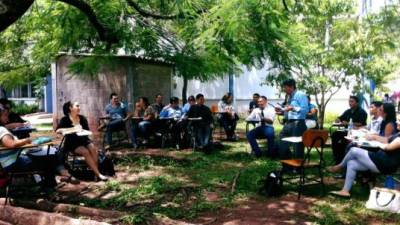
(134, 77)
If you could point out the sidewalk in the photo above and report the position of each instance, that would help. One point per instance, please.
(41, 121)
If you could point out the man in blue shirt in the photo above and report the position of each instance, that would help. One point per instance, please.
(173, 111)
(117, 113)
(295, 111)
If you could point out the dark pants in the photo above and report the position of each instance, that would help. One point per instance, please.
(261, 132)
(292, 128)
(26, 163)
(113, 126)
(203, 134)
(229, 125)
(339, 144)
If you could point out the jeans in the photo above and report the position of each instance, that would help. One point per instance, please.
(145, 128)
(113, 126)
(229, 125)
(357, 159)
(203, 134)
(291, 129)
(258, 132)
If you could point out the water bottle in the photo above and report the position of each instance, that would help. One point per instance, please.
(350, 127)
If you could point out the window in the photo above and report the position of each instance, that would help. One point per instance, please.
(22, 91)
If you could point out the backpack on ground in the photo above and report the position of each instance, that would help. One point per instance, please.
(106, 165)
(272, 184)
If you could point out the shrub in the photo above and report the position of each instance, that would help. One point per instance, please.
(23, 108)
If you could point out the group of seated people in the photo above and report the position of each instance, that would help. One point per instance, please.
(145, 120)
(351, 158)
(298, 115)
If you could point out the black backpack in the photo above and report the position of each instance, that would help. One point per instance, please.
(106, 165)
(272, 184)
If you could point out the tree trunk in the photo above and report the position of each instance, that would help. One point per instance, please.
(184, 90)
(11, 11)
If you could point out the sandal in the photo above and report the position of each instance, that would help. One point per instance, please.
(339, 194)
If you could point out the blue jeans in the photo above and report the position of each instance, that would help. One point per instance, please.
(261, 132)
(203, 134)
(145, 128)
(113, 126)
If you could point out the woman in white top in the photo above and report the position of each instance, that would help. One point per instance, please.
(227, 116)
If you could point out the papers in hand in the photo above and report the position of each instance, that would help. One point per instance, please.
(293, 139)
(78, 130)
(371, 144)
(84, 133)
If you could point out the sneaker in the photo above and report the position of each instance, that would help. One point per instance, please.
(145, 142)
(101, 177)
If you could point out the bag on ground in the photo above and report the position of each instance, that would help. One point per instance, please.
(383, 199)
(106, 165)
(272, 184)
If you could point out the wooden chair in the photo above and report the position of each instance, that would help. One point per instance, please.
(312, 139)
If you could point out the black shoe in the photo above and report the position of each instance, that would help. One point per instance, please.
(256, 154)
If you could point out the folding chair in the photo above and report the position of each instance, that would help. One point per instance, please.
(312, 139)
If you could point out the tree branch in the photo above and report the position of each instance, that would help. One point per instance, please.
(145, 13)
(104, 34)
(12, 10)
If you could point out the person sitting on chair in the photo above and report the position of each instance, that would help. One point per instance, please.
(228, 118)
(14, 120)
(203, 128)
(385, 161)
(185, 109)
(254, 103)
(148, 114)
(35, 159)
(158, 104)
(374, 127)
(312, 115)
(359, 118)
(80, 145)
(174, 111)
(265, 114)
(117, 113)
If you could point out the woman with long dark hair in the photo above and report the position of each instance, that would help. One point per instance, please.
(80, 145)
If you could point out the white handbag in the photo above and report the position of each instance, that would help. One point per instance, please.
(383, 199)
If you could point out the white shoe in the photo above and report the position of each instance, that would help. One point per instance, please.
(102, 177)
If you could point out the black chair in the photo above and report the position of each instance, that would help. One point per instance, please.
(13, 174)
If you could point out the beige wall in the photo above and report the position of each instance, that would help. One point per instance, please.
(131, 79)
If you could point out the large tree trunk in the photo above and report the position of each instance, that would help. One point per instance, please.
(12, 10)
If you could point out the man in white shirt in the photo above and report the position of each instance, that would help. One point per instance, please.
(265, 115)
(376, 119)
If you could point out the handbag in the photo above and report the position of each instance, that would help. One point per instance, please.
(383, 199)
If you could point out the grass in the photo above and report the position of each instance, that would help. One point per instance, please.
(180, 191)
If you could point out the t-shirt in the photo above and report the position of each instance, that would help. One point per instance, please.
(118, 112)
(358, 115)
(201, 111)
(7, 157)
(170, 112)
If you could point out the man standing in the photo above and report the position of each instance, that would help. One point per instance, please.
(265, 114)
(295, 111)
(202, 127)
(359, 118)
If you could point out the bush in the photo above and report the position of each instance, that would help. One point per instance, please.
(23, 108)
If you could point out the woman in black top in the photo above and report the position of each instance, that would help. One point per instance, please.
(385, 161)
(80, 145)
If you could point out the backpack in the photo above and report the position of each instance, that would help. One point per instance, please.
(106, 165)
(271, 186)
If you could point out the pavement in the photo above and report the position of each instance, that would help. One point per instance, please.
(41, 121)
